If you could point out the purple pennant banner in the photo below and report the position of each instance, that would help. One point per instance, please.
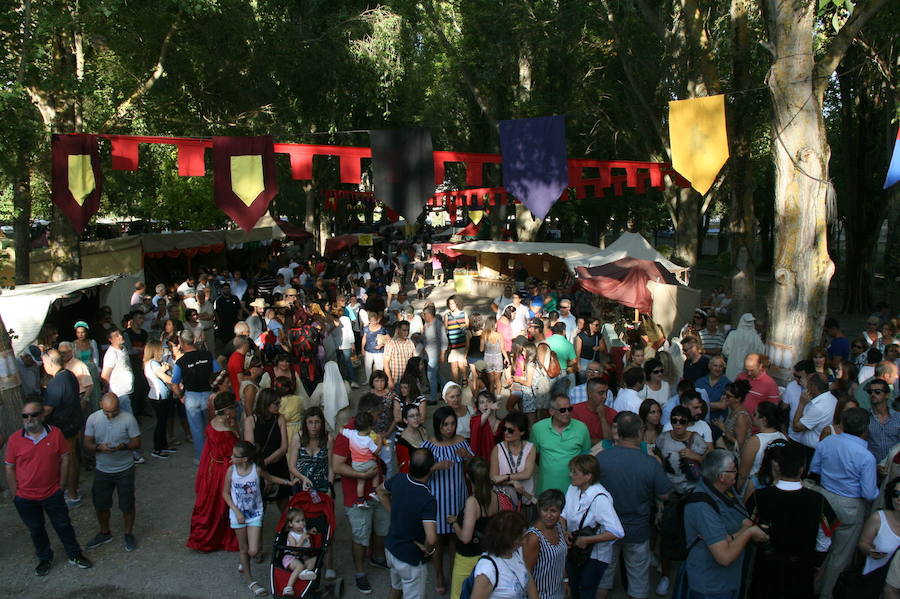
(535, 166)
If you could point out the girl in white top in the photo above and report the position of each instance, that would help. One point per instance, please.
(502, 574)
(241, 492)
(302, 563)
(765, 419)
(881, 534)
(656, 388)
(588, 503)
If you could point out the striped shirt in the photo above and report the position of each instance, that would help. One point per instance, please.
(883, 437)
(550, 565)
(712, 340)
(456, 329)
(448, 485)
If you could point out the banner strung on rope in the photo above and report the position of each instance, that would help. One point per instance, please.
(599, 178)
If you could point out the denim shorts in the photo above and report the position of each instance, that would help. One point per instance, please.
(251, 522)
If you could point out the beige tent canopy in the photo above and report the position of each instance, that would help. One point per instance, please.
(541, 260)
(126, 254)
(630, 245)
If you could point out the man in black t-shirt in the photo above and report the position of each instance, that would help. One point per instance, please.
(228, 312)
(696, 365)
(62, 409)
(193, 371)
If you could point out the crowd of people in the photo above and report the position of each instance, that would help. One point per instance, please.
(532, 450)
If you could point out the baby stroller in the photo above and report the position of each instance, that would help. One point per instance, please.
(319, 510)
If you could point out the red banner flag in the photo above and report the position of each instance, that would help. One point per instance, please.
(244, 177)
(77, 178)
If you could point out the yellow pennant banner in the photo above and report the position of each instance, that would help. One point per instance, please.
(698, 139)
(247, 180)
(365, 239)
(81, 177)
(476, 215)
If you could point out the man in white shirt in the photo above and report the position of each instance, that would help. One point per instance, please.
(282, 286)
(238, 285)
(399, 305)
(566, 316)
(501, 301)
(792, 392)
(520, 320)
(628, 399)
(814, 412)
(188, 283)
(117, 373)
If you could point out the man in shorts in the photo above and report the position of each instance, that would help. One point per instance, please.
(113, 434)
(363, 520)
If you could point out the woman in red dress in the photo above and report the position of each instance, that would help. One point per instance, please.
(210, 529)
(485, 426)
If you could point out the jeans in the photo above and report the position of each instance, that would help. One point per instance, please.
(434, 378)
(195, 406)
(584, 579)
(125, 404)
(32, 513)
(163, 409)
(345, 365)
(373, 361)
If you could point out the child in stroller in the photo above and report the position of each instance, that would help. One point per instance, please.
(302, 564)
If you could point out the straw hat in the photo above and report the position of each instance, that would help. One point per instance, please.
(259, 303)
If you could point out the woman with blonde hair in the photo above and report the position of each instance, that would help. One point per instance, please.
(494, 355)
(158, 378)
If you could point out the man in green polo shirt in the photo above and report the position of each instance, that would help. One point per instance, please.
(558, 439)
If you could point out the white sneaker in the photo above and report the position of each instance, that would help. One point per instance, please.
(663, 587)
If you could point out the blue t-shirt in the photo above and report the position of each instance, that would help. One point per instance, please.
(411, 504)
(839, 346)
(635, 480)
(705, 575)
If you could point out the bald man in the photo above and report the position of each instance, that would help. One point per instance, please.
(113, 434)
(762, 386)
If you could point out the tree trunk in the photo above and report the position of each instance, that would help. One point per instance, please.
(65, 248)
(802, 267)
(687, 226)
(527, 226)
(10, 388)
(22, 219)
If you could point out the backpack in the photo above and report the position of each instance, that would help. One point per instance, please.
(469, 583)
(673, 538)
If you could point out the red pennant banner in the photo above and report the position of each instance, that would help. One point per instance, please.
(77, 178)
(244, 177)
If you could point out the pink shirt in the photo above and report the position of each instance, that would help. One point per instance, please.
(762, 388)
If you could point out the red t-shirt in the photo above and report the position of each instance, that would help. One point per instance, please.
(37, 464)
(341, 447)
(762, 388)
(235, 367)
(591, 419)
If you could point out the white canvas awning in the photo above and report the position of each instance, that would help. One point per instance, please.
(25, 308)
(628, 245)
(565, 251)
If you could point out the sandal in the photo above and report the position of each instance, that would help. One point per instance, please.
(307, 575)
(288, 591)
(257, 589)
(240, 567)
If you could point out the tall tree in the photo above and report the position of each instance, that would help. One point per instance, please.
(797, 81)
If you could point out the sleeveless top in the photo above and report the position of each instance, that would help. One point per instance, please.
(267, 436)
(764, 440)
(473, 547)
(246, 494)
(507, 463)
(474, 350)
(456, 330)
(886, 541)
(550, 563)
(588, 342)
(314, 467)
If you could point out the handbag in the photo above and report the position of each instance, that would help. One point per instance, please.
(580, 555)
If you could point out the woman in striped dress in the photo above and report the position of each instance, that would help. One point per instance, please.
(545, 546)
(447, 483)
(456, 323)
